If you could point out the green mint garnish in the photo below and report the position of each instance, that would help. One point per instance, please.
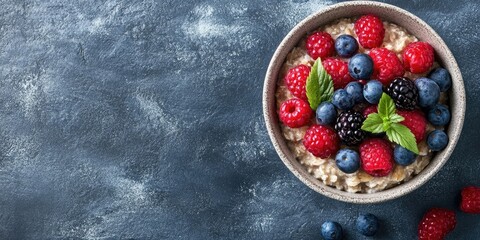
(386, 120)
(319, 85)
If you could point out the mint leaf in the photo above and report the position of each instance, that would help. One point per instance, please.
(319, 86)
(373, 123)
(401, 135)
(386, 106)
(395, 118)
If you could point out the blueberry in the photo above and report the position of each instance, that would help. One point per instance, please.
(439, 115)
(403, 156)
(332, 231)
(326, 113)
(355, 89)
(367, 224)
(437, 140)
(360, 66)
(442, 78)
(428, 92)
(372, 91)
(347, 160)
(346, 46)
(342, 100)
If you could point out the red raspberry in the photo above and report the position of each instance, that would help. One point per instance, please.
(295, 113)
(338, 69)
(370, 31)
(370, 109)
(470, 200)
(296, 79)
(386, 65)
(376, 156)
(321, 141)
(320, 44)
(416, 122)
(418, 57)
(436, 224)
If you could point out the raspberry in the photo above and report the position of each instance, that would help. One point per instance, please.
(321, 141)
(376, 156)
(418, 57)
(436, 224)
(295, 113)
(470, 200)
(386, 65)
(338, 69)
(416, 122)
(296, 79)
(370, 31)
(320, 44)
(370, 109)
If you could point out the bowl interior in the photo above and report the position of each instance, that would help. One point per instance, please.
(388, 13)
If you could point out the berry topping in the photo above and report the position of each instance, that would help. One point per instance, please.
(370, 31)
(332, 231)
(436, 224)
(418, 57)
(320, 45)
(295, 113)
(386, 65)
(338, 70)
(372, 91)
(342, 100)
(326, 113)
(403, 156)
(470, 200)
(370, 109)
(416, 122)
(428, 92)
(360, 66)
(442, 78)
(347, 160)
(346, 46)
(355, 89)
(321, 141)
(376, 157)
(439, 115)
(349, 126)
(403, 92)
(296, 79)
(437, 140)
(367, 224)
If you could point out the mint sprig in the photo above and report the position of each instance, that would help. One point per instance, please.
(388, 121)
(319, 86)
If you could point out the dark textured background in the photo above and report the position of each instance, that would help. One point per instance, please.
(142, 119)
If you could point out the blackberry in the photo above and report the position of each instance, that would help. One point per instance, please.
(348, 127)
(403, 92)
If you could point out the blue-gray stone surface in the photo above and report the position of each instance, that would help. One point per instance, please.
(142, 120)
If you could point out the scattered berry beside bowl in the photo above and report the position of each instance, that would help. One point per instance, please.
(436, 224)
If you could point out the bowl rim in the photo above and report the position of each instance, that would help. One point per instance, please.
(273, 128)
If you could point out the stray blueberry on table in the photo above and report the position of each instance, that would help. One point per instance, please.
(367, 224)
(332, 231)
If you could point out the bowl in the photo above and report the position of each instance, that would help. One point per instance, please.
(412, 24)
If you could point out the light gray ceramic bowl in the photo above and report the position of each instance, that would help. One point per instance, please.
(389, 13)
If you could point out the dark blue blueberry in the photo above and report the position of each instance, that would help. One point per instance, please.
(367, 224)
(403, 156)
(437, 140)
(326, 113)
(346, 46)
(372, 91)
(442, 78)
(355, 89)
(332, 231)
(342, 100)
(347, 160)
(439, 115)
(428, 92)
(360, 66)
